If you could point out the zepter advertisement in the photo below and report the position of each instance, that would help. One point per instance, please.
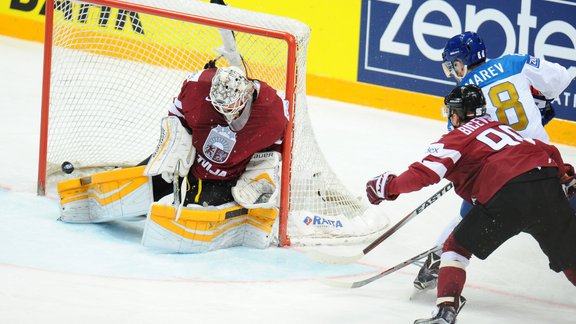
(401, 41)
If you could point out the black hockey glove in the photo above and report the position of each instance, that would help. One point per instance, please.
(211, 64)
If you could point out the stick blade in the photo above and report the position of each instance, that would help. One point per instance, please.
(333, 259)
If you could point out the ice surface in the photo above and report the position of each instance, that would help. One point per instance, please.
(52, 272)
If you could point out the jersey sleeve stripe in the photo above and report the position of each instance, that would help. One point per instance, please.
(440, 152)
(436, 167)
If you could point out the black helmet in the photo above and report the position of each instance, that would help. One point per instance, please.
(467, 102)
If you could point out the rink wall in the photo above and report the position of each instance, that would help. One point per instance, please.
(386, 53)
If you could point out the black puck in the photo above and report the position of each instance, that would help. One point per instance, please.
(67, 167)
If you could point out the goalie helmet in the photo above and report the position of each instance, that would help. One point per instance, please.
(230, 91)
(467, 102)
(467, 48)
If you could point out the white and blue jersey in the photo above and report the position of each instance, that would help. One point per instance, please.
(506, 83)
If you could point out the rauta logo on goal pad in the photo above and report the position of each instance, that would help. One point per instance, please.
(317, 220)
(401, 41)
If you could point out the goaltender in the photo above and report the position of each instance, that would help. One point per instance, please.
(213, 181)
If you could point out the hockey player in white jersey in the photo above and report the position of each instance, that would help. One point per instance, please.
(506, 81)
(508, 84)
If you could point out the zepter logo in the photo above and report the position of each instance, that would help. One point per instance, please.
(402, 40)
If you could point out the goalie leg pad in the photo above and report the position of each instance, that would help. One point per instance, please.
(261, 228)
(198, 229)
(120, 194)
(201, 229)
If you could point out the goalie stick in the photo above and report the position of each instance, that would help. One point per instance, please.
(179, 191)
(176, 187)
(361, 283)
(339, 259)
(229, 46)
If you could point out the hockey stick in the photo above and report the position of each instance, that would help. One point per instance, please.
(179, 191)
(229, 46)
(361, 283)
(176, 186)
(336, 259)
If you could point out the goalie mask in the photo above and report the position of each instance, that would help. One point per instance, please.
(467, 102)
(230, 91)
(467, 48)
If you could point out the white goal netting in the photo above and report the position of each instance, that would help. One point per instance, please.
(115, 66)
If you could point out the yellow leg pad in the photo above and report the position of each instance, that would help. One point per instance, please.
(262, 218)
(101, 184)
(105, 196)
(202, 224)
(204, 214)
(202, 229)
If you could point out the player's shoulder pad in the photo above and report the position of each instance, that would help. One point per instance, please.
(534, 61)
(516, 62)
(273, 96)
(524, 59)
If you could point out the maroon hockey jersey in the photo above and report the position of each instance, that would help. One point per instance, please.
(221, 153)
(479, 157)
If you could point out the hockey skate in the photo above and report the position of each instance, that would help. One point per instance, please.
(444, 314)
(428, 275)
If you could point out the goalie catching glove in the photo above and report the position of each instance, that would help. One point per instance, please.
(377, 188)
(259, 185)
(174, 148)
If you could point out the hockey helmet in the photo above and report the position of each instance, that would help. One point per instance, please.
(467, 102)
(467, 47)
(230, 91)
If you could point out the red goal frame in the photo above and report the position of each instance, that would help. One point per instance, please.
(290, 89)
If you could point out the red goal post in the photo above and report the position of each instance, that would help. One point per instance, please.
(111, 68)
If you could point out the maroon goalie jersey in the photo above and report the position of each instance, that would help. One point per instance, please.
(479, 157)
(221, 153)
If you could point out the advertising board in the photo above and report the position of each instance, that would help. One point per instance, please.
(401, 41)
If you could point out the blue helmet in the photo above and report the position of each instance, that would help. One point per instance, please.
(467, 47)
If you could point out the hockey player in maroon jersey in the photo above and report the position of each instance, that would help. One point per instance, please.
(229, 155)
(230, 118)
(214, 179)
(514, 184)
(508, 85)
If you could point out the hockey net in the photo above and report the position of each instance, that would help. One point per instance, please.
(112, 68)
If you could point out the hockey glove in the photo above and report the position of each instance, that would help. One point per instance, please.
(568, 181)
(377, 188)
(545, 105)
(210, 64)
(259, 185)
